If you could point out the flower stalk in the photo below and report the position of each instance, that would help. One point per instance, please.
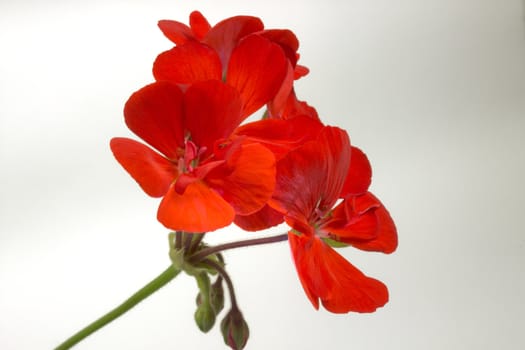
(169, 274)
(202, 254)
(157, 283)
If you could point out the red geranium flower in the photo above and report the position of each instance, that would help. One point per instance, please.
(212, 58)
(205, 176)
(310, 180)
(256, 68)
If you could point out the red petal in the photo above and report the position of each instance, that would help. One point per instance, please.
(300, 71)
(359, 174)
(188, 63)
(153, 172)
(293, 108)
(327, 276)
(177, 32)
(225, 35)
(363, 222)
(286, 39)
(154, 113)
(347, 226)
(198, 209)
(386, 240)
(281, 136)
(213, 111)
(257, 68)
(310, 177)
(279, 102)
(248, 181)
(199, 24)
(260, 220)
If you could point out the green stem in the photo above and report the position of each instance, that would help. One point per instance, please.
(157, 283)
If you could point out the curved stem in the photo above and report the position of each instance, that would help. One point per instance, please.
(157, 283)
(202, 254)
(222, 273)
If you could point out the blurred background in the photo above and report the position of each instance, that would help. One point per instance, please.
(432, 90)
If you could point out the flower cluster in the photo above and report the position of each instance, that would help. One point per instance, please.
(212, 169)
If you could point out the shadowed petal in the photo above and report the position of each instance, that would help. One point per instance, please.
(327, 276)
(293, 108)
(286, 39)
(310, 177)
(198, 209)
(260, 220)
(153, 172)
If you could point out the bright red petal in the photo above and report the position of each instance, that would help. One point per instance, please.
(327, 276)
(257, 68)
(364, 223)
(188, 63)
(247, 180)
(199, 24)
(154, 113)
(386, 240)
(346, 225)
(198, 209)
(213, 111)
(225, 35)
(153, 172)
(359, 174)
(177, 32)
(260, 220)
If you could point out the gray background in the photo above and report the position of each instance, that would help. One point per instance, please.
(433, 91)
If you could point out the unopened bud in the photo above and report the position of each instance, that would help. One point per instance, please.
(235, 330)
(205, 317)
(217, 296)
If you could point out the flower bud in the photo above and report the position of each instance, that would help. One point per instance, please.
(217, 296)
(205, 317)
(235, 330)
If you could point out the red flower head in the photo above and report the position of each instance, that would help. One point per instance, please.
(205, 176)
(310, 180)
(206, 52)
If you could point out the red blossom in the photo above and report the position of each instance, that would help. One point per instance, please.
(197, 61)
(256, 68)
(205, 176)
(310, 180)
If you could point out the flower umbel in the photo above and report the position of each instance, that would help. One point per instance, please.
(212, 168)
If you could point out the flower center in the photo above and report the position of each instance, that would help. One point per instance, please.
(190, 160)
(318, 217)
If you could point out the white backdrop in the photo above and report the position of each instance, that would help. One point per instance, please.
(432, 90)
